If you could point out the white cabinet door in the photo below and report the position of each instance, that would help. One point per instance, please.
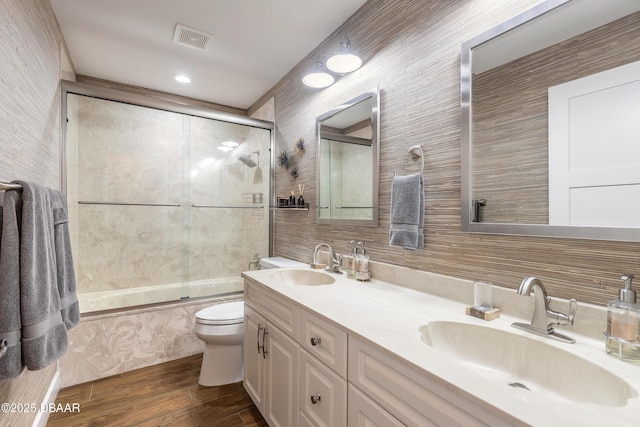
(323, 394)
(253, 381)
(281, 379)
(364, 412)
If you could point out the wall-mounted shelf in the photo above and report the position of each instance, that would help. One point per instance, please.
(292, 208)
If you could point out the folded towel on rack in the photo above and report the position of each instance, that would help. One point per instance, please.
(407, 212)
(64, 261)
(44, 335)
(10, 323)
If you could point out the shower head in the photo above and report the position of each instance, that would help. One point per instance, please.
(248, 161)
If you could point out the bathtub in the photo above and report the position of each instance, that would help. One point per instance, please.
(119, 298)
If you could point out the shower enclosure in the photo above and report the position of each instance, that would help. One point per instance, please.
(164, 205)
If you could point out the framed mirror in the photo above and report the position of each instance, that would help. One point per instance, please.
(348, 154)
(551, 123)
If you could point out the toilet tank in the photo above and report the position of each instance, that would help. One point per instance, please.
(279, 262)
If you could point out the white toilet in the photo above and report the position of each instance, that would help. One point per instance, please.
(279, 262)
(221, 327)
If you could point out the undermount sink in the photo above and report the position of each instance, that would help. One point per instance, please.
(527, 364)
(302, 277)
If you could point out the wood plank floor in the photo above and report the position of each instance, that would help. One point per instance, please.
(162, 395)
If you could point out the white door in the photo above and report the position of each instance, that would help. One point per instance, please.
(594, 149)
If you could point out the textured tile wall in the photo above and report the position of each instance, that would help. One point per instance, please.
(411, 51)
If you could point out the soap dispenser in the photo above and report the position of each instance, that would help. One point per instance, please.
(623, 323)
(351, 260)
(362, 264)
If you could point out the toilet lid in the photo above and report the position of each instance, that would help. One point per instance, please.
(228, 313)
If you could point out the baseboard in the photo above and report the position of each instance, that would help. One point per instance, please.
(50, 397)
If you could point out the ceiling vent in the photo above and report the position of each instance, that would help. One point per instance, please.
(189, 37)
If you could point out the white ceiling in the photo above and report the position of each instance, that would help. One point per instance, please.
(254, 44)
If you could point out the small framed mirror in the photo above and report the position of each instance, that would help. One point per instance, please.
(348, 154)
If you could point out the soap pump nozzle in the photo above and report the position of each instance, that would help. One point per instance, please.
(627, 294)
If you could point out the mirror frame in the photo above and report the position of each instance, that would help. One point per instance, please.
(374, 94)
(543, 230)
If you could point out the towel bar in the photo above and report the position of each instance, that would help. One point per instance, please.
(8, 186)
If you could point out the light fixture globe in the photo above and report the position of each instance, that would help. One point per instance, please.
(318, 79)
(344, 63)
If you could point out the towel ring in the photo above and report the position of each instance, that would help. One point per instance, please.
(415, 151)
(3, 347)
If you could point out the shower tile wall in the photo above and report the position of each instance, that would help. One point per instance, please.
(132, 154)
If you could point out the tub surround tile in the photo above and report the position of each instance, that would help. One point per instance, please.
(105, 345)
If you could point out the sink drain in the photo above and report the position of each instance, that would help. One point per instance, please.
(519, 385)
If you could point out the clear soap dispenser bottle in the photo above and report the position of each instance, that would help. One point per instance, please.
(351, 260)
(623, 323)
(362, 264)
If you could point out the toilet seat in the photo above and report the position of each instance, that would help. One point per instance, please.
(229, 313)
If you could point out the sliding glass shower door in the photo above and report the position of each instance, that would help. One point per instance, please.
(163, 205)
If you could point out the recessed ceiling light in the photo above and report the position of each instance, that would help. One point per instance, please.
(182, 78)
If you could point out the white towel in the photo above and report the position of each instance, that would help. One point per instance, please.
(407, 212)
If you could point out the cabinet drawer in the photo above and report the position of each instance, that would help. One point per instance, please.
(364, 412)
(323, 394)
(413, 398)
(279, 311)
(325, 341)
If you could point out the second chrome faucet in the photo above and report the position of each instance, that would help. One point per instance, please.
(335, 260)
(543, 317)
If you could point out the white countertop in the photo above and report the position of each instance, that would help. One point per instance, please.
(390, 316)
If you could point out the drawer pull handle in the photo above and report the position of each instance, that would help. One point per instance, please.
(315, 341)
(315, 399)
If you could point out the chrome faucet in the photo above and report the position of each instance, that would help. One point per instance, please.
(543, 317)
(335, 260)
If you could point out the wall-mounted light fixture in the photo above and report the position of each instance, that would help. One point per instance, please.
(318, 78)
(345, 61)
(341, 63)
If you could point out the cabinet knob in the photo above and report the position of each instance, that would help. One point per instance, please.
(315, 398)
(315, 341)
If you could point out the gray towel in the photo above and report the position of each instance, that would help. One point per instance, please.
(407, 212)
(44, 335)
(64, 262)
(10, 324)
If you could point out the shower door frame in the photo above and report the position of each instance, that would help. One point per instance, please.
(117, 95)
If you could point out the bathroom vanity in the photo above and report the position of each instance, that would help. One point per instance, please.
(324, 350)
